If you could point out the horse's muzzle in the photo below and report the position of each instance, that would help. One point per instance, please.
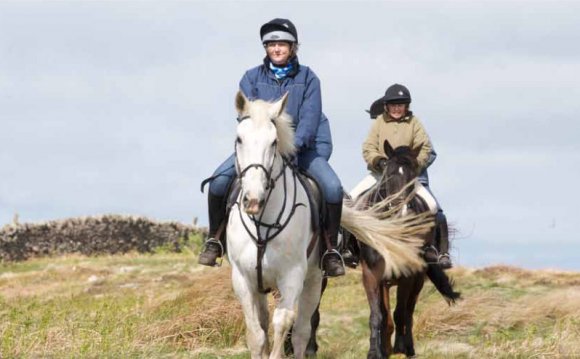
(252, 206)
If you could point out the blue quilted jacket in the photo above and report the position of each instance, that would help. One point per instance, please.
(304, 101)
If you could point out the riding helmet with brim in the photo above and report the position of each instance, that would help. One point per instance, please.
(395, 94)
(278, 30)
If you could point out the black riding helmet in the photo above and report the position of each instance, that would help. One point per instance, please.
(395, 94)
(279, 30)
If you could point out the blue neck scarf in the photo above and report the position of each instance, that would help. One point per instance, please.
(281, 72)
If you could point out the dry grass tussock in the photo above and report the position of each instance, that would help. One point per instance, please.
(536, 314)
(213, 316)
(523, 277)
(495, 310)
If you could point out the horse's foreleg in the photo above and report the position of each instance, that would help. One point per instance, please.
(400, 313)
(255, 307)
(372, 284)
(290, 287)
(388, 326)
(312, 347)
(307, 306)
(413, 297)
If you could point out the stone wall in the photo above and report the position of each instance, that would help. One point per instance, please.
(108, 234)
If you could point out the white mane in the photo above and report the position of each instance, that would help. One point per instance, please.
(262, 113)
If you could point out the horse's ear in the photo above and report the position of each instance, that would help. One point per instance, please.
(388, 149)
(416, 151)
(241, 101)
(280, 106)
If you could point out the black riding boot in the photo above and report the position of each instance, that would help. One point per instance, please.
(214, 247)
(443, 240)
(332, 263)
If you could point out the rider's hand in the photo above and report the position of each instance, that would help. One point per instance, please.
(381, 165)
(293, 160)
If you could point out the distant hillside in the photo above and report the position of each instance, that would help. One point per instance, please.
(163, 304)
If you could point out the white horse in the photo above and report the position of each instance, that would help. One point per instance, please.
(269, 232)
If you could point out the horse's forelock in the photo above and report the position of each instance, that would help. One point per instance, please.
(403, 156)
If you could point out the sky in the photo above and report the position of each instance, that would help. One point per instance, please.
(126, 106)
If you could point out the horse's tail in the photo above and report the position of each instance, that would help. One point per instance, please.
(397, 239)
(443, 283)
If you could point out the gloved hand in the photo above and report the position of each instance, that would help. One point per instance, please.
(293, 161)
(381, 165)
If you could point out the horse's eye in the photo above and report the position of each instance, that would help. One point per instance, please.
(274, 143)
(239, 140)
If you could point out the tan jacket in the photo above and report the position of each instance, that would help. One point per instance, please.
(408, 131)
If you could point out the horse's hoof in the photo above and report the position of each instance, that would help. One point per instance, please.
(374, 355)
(310, 353)
(399, 349)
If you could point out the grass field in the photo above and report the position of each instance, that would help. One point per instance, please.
(165, 305)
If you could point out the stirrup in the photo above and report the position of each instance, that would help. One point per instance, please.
(330, 251)
(445, 255)
(220, 256)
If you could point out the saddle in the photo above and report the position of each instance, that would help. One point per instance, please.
(315, 198)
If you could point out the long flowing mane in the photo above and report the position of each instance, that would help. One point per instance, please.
(261, 113)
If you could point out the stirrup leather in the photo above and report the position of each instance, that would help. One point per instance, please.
(221, 254)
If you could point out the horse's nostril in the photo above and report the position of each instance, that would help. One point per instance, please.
(245, 199)
(262, 202)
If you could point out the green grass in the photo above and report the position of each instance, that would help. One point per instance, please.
(165, 305)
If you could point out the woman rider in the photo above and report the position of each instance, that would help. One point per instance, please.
(281, 73)
(396, 123)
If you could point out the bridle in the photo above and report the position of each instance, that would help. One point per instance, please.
(270, 182)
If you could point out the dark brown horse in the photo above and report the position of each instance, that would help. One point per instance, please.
(397, 180)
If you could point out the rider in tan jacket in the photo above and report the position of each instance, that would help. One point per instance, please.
(406, 131)
(397, 124)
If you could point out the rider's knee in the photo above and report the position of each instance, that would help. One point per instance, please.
(440, 216)
(334, 192)
(219, 186)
